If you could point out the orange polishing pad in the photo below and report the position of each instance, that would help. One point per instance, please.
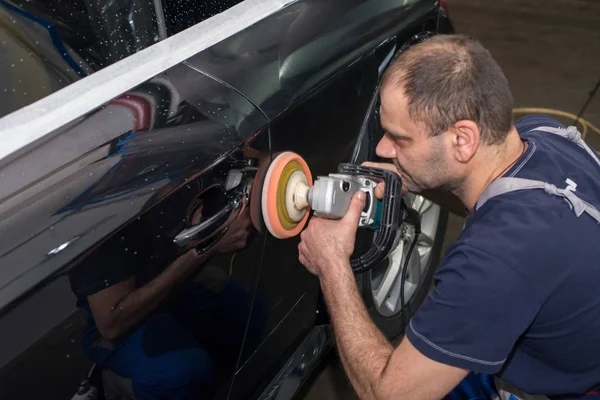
(274, 207)
(256, 194)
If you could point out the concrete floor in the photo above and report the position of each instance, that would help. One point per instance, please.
(550, 53)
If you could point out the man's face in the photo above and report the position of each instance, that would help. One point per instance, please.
(422, 160)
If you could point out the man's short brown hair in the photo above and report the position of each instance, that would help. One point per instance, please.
(449, 78)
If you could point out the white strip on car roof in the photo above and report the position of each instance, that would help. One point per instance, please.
(38, 119)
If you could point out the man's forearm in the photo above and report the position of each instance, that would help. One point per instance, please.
(364, 351)
(138, 304)
(377, 370)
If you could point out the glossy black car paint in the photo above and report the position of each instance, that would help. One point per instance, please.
(301, 80)
(285, 57)
(140, 185)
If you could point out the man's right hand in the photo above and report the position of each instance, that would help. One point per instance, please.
(379, 190)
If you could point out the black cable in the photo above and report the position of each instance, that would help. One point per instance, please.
(413, 218)
(588, 101)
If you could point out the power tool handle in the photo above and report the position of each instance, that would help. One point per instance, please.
(391, 215)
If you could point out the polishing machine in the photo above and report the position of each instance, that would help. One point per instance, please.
(288, 194)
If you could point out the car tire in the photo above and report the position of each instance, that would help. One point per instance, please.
(391, 322)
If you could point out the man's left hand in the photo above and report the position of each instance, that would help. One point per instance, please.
(326, 242)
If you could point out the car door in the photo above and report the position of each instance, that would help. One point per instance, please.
(287, 290)
(312, 68)
(174, 154)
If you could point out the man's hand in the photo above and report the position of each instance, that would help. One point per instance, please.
(381, 186)
(326, 242)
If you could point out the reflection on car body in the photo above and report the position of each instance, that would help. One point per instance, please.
(196, 332)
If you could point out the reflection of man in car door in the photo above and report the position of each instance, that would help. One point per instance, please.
(169, 326)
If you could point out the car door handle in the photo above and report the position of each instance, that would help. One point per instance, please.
(218, 223)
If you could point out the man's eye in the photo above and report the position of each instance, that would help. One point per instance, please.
(402, 142)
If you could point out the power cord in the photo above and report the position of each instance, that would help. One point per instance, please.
(413, 218)
(588, 101)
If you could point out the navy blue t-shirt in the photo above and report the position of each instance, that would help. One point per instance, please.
(518, 294)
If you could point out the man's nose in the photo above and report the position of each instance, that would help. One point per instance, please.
(385, 148)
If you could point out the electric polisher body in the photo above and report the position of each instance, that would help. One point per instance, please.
(288, 196)
(330, 197)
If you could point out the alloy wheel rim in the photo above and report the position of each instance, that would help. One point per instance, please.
(385, 279)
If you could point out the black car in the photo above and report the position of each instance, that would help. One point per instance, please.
(124, 123)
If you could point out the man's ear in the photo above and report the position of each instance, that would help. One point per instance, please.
(465, 136)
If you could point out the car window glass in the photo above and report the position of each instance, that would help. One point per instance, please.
(181, 14)
(46, 45)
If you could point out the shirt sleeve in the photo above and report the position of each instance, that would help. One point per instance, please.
(479, 308)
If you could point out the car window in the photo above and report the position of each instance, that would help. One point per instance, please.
(47, 44)
(181, 14)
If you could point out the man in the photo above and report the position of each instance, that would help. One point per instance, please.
(517, 294)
